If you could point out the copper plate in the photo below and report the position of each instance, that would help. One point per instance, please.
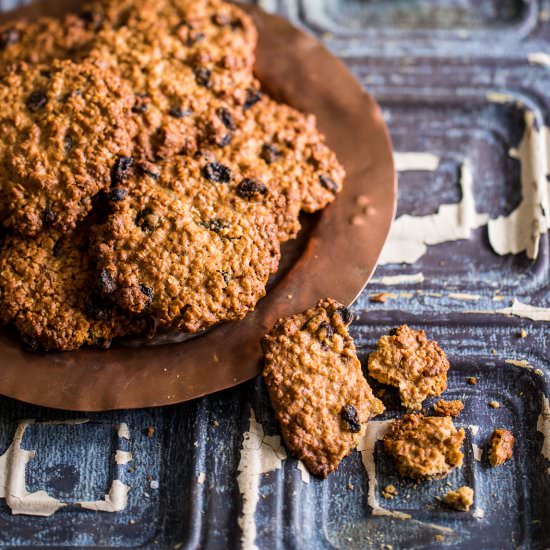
(333, 256)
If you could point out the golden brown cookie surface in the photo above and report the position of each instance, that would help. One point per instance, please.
(185, 245)
(47, 290)
(424, 446)
(62, 128)
(316, 385)
(409, 361)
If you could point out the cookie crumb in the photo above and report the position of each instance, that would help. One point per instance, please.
(439, 538)
(493, 351)
(523, 333)
(448, 408)
(472, 380)
(461, 499)
(494, 404)
(501, 447)
(150, 431)
(381, 297)
(389, 491)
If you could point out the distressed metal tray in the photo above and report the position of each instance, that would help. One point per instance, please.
(465, 90)
(293, 67)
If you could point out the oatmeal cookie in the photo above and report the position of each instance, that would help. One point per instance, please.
(62, 128)
(184, 244)
(44, 40)
(316, 385)
(424, 446)
(501, 447)
(47, 291)
(448, 408)
(408, 360)
(461, 499)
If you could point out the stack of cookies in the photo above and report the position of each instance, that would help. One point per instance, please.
(146, 181)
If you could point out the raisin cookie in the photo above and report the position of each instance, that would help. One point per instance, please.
(185, 244)
(424, 446)
(409, 361)
(47, 290)
(316, 385)
(62, 128)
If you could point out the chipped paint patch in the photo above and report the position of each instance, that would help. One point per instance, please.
(201, 477)
(478, 513)
(304, 474)
(123, 457)
(410, 236)
(463, 296)
(123, 431)
(477, 452)
(519, 309)
(405, 162)
(392, 280)
(539, 58)
(259, 454)
(543, 426)
(519, 363)
(115, 500)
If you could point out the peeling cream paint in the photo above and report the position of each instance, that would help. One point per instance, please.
(123, 431)
(405, 162)
(519, 363)
(477, 452)
(392, 280)
(474, 429)
(410, 236)
(478, 513)
(304, 474)
(115, 500)
(201, 477)
(519, 309)
(539, 58)
(543, 426)
(259, 454)
(463, 296)
(123, 457)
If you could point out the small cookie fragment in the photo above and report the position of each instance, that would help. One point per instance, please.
(389, 491)
(501, 447)
(448, 408)
(424, 446)
(494, 404)
(461, 499)
(408, 360)
(472, 380)
(316, 385)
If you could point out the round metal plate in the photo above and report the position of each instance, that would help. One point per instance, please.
(332, 257)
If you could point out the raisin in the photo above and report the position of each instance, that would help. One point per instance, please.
(140, 105)
(179, 112)
(215, 225)
(327, 329)
(9, 37)
(249, 187)
(393, 332)
(148, 291)
(37, 100)
(29, 343)
(202, 76)
(117, 194)
(146, 169)
(216, 172)
(120, 169)
(252, 97)
(93, 19)
(227, 118)
(351, 418)
(328, 183)
(345, 314)
(48, 216)
(270, 153)
(194, 38)
(225, 140)
(106, 281)
(68, 143)
(57, 248)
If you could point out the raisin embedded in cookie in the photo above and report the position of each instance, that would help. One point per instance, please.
(316, 385)
(501, 447)
(63, 127)
(424, 446)
(47, 290)
(182, 245)
(409, 361)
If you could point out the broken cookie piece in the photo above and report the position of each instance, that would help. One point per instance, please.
(424, 446)
(501, 447)
(448, 408)
(408, 360)
(461, 499)
(316, 385)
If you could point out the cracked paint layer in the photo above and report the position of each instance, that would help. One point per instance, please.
(410, 236)
(259, 454)
(115, 500)
(543, 426)
(539, 58)
(391, 280)
(519, 309)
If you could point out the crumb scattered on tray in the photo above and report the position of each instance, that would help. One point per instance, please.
(381, 297)
(501, 447)
(448, 408)
(523, 333)
(389, 491)
(461, 499)
(494, 404)
(150, 432)
(316, 385)
(405, 358)
(424, 446)
(439, 538)
(472, 380)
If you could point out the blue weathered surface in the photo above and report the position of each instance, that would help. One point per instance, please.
(433, 65)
